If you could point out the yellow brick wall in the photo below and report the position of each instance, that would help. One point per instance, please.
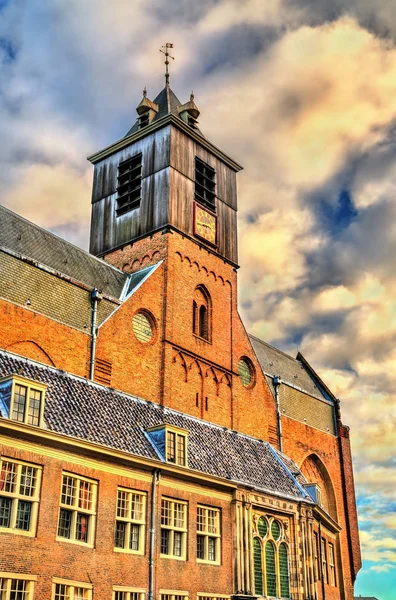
(304, 408)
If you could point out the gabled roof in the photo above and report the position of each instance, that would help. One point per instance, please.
(274, 362)
(168, 104)
(81, 409)
(29, 240)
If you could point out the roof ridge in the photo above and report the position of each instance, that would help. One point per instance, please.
(58, 237)
(274, 348)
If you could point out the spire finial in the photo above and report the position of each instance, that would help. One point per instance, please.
(144, 92)
(192, 95)
(167, 56)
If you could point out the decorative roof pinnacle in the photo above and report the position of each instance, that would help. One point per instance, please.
(167, 56)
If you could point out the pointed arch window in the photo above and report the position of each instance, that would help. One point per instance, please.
(202, 313)
(284, 571)
(270, 569)
(258, 567)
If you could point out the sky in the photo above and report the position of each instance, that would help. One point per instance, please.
(302, 93)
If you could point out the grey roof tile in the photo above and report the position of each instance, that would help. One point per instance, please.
(89, 411)
(27, 239)
(274, 362)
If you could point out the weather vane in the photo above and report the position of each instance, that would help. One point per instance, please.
(167, 57)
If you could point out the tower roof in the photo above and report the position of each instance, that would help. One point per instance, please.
(168, 104)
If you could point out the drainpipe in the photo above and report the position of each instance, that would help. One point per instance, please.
(95, 298)
(276, 380)
(155, 481)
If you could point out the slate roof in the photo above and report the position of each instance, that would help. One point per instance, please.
(27, 239)
(81, 409)
(168, 103)
(274, 362)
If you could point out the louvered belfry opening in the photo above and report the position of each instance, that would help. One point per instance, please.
(205, 184)
(129, 184)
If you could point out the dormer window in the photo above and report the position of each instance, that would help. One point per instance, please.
(129, 184)
(315, 492)
(171, 443)
(22, 400)
(205, 184)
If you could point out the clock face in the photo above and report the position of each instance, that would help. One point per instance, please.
(205, 224)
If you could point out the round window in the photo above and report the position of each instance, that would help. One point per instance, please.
(142, 327)
(245, 372)
(275, 530)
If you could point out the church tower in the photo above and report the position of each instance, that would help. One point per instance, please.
(164, 175)
(165, 196)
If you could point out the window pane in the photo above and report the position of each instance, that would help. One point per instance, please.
(119, 537)
(5, 511)
(276, 530)
(64, 527)
(212, 521)
(8, 477)
(170, 446)
(211, 548)
(23, 515)
(85, 495)
(270, 568)
(82, 526)
(122, 504)
(28, 481)
(179, 514)
(19, 402)
(262, 527)
(181, 454)
(284, 571)
(19, 589)
(137, 507)
(201, 519)
(68, 490)
(134, 539)
(258, 569)
(200, 546)
(62, 592)
(166, 513)
(165, 537)
(80, 593)
(34, 407)
(177, 543)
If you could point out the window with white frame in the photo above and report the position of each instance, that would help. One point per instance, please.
(19, 496)
(176, 447)
(208, 534)
(23, 399)
(332, 577)
(77, 510)
(64, 589)
(173, 528)
(130, 521)
(324, 560)
(16, 587)
(173, 595)
(204, 596)
(125, 593)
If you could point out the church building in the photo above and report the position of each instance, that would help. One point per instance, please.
(150, 448)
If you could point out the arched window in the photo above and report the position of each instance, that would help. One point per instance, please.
(284, 571)
(270, 569)
(202, 313)
(258, 567)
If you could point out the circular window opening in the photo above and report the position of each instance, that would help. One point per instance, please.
(275, 530)
(142, 327)
(245, 372)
